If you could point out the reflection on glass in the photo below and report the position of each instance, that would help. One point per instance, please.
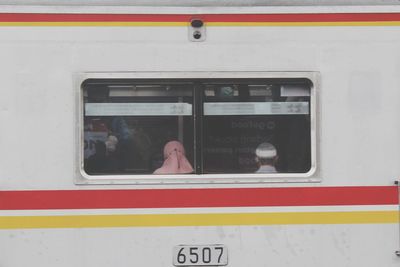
(189, 126)
(252, 115)
(128, 125)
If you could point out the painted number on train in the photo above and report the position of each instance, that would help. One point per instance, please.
(200, 255)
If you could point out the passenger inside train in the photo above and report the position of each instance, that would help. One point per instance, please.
(175, 160)
(266, 158)
(217, 126)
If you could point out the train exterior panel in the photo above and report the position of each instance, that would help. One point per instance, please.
(339, 209)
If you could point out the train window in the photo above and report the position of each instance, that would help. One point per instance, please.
(196, 126)
(126, 125)
(256, 128)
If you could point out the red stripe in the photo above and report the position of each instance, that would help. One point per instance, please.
(328, 17)
(10, 17)
(180, 198)
(333, 17)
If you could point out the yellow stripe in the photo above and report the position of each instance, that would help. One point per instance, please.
(179, 24)
(160, 220)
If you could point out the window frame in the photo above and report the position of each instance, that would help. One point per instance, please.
(81, 177)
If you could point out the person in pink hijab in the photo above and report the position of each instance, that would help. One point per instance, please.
(175, 161)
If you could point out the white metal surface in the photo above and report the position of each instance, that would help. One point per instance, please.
(199, 2)
(288, 246)
(358, 135)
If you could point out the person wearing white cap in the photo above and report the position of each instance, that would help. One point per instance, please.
(266, 157)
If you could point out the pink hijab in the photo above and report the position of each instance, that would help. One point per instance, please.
(174, 160)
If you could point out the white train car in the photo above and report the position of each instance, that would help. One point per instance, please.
(199, 133)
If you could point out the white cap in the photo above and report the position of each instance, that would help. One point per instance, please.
(266, 151)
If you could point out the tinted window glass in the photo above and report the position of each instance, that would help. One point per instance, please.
(241, 117)
(188, 126)
(126, 126)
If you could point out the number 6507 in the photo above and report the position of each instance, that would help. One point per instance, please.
(202, 255)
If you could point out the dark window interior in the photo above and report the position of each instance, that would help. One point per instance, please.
(219, 122)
